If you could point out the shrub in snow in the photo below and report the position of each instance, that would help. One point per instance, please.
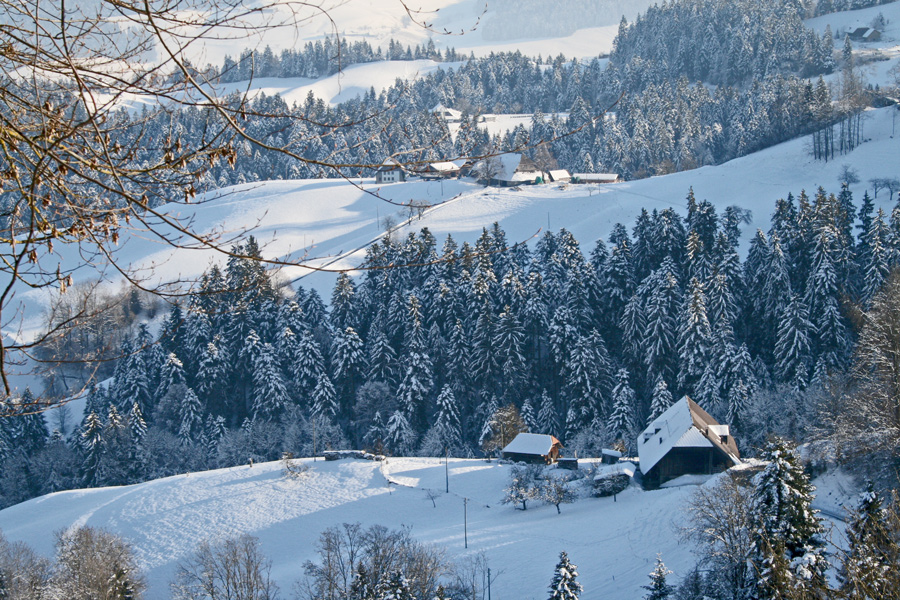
(523, 485)
(230, 568)
(610, 484)
(556, 491)
(291, 468)
(93, 563)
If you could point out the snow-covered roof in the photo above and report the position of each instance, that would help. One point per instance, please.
(449, 113)
(531, 443)
(509, 167)
(597, 176)
(622, 468)
(558, 174)
(683, 425)
(613, 453)
(389, 164)
(444, 166)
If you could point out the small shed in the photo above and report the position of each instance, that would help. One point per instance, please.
(534, 448)
(559, 176)
(609, 457)
(685, 440)
(390, 171)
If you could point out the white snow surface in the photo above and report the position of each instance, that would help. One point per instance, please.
(166, 518)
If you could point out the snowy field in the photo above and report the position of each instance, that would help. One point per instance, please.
(614, 543)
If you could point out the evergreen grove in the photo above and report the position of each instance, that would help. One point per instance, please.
(422, 359)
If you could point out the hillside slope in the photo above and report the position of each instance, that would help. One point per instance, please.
(613, 542)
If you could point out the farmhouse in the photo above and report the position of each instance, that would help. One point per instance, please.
(440, 170)
(507, 170)
(390, 171)
(533, 448)
(448, 114)
(685, 440)
(864, 34)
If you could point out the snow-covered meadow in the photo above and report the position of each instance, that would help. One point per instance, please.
(614, 542)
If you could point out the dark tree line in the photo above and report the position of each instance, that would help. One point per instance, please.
(423, 358)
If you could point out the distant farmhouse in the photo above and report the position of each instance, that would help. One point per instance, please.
(450, 115)
(440, 170)
(390, 171)
(507, 170)
(685, 440)
(864, 34)
(534, 448)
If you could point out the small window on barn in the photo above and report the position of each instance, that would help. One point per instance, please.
(660, 440)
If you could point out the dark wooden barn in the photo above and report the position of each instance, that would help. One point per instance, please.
(534, 448)
(685, 440)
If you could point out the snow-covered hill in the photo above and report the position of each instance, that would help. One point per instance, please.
(613, 542)
(328, 223)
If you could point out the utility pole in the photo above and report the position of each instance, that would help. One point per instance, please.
(489, 583)
(447, 469)
(466, 521)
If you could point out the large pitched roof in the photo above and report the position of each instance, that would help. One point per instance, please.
(683, 425)
(531, 443)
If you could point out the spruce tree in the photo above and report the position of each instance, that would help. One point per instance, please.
(269, 394)
(659, 588)
(661, 399)
(621, 420)
(564, 585)
(788, 548)
(868, 570)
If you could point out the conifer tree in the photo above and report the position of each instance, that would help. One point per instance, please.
(868, 570)
(694, 337)
(548, 422)
(659, 588)
(190, 412)
(324, 399)
(417, 378)
(661, 333)
(447, 421)
(792, 345)
(661, 399)
(621, 420)
(92, 445)
(788, 550)
(529, 417)
(399, 436)
(564, 585)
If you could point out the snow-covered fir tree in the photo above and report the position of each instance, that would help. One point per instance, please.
(564, 585)
(659, 588)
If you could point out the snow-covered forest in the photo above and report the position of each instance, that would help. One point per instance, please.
(447, 346)
(649, 110)
(423, 352)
